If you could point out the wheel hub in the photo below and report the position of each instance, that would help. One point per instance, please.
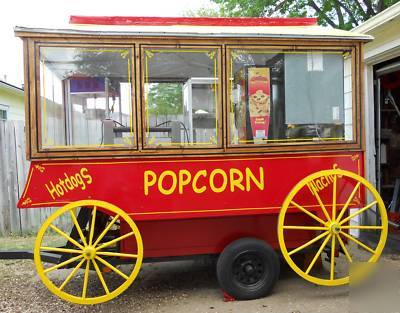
(334, 228)
(248, 269)
(89, 252)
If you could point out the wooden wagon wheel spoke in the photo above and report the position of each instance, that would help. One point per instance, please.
(77, 227)
(117, 254)
(358, 242)
(334, 195)
(100, 275)
(309, 243)
(104, 232)
(113, 268)
(72, 274)
(357, 212)
(332, 272)
(349, 199)
(50, 269)
(64, 250)
(318, 253)
(86, 279)
(337, 267)
(92, 225)
(345, 251)
(86, 255)
(366, 227)
(111, 242)
(298, 227)
(60, 232)
(316, 195)
(308, 213)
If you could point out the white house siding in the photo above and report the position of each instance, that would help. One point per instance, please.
(384, 27)
(13, 99)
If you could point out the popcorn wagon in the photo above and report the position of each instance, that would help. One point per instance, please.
(171, 138)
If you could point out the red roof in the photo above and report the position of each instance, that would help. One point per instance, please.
(194, 21)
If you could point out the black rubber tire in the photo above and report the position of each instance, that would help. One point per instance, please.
(232, 271)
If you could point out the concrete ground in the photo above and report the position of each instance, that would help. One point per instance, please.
(191, 286)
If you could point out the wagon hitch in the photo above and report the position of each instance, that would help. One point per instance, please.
(27, 254)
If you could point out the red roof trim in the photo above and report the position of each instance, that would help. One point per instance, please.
(195, 21)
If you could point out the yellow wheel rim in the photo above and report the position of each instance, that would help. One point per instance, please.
(332, 226)
(90, 253)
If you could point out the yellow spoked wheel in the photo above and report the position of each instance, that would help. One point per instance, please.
(330, 227)
(90, 269)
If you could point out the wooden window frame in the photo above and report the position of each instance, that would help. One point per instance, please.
(283, 146)
(32, 83)
(219, 108)
(77, 150)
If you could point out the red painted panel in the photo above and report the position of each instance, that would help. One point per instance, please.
(182, 188)
(195, 21)
(211, 235)
(236, 196)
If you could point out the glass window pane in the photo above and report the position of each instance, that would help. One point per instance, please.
(289, 96)
(86, 97)
(181, 89)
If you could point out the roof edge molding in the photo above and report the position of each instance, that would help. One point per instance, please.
(193, 21)
(379, 19)
(11, 87)
(295, 32)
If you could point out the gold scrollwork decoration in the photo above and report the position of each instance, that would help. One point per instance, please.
(124, 53)
(211, 54)
(27, 201)
(149, 54)
(40, 168)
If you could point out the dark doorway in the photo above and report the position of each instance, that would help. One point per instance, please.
(387, 129)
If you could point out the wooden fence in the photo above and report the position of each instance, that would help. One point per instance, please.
(13, 174)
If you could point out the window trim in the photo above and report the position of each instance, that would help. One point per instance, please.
(6, 109)
(75, 149)
(220, 103)
(281, 145)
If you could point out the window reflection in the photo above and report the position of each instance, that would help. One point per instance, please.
(181, 97)
(86, 97)
(286, 96)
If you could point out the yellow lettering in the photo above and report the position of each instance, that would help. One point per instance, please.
(224, 180)
(251, 177)
(312, 188)
(322, 181)
(173, 185)
(194, 183)
(52, 190)
(148, 183)
(236, 182)
(182, 180)
(69, 182)
(84, 174)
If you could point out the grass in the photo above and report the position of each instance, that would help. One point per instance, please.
(27, 242)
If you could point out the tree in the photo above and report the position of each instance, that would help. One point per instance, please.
(165, 98)
(205, 11)
(343, 14)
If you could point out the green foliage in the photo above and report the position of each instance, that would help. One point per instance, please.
(343, 14)
(204, 11)
(165, 98)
